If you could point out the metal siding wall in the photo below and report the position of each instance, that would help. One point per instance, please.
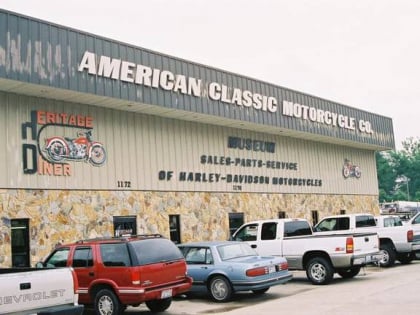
(140, 146)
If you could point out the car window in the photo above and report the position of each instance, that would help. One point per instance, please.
(154, 250)
(235, 250)
(198, 255)
(268, 231)
(82, 257)
(58, 258)
(296, 228)
(417, 220)
(389, 222)
(247, 233)
(115, 255)
(365, 221)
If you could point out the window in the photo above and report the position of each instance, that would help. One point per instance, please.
(247, 233)
(333, 224)
(417, 220)
(282, 214)
(342, 211)
(365, 221)
(174, 228)
(198, 255)
(82, 257)
(150, 251)
(235, 221)
(296, 228)
(269, 231)
(58, 258)
(115, 255)
(125, 225)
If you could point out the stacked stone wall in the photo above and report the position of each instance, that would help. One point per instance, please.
(57, 216)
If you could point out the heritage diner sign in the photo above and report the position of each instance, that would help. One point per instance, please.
(126, 71)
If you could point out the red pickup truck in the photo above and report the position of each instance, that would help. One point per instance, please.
(114, 273)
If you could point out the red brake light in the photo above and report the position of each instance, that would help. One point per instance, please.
(255, 272)
(410, 235)
(284, 266)
(349, 245)
(135, 277)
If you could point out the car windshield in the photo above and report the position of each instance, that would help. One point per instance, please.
(235, 250)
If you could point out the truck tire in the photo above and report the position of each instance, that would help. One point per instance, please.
(350, 272)
(406, 258)
(157, 306)
(107, 303)
(319, 271)
(220, 289)
(388, 256)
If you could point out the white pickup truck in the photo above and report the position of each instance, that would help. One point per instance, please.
(395, 237)
(414, 223)
(39, 291)
(321, 256)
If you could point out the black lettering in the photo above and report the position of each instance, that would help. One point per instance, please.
(29, 158)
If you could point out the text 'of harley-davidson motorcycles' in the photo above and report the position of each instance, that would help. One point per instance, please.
(82, 148)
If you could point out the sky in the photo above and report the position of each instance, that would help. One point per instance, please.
(360, 53)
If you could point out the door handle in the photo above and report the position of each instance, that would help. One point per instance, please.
(254, 246)
(91, 274)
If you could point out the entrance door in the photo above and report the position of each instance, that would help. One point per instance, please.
(174, 228)
(235, 221)
(20, 243)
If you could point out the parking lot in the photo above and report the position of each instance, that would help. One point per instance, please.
(374, 291)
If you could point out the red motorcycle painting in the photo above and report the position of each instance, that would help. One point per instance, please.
(82, 148)
(351, 170)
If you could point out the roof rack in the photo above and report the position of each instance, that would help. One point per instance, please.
(120, 238)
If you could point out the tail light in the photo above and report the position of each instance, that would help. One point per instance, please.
(135, 277)
(283, 266)
(349, 245)
(255, 272)
(410, 235)
(260, 271)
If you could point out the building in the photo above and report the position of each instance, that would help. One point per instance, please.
(104, 138)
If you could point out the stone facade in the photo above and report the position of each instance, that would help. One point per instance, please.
(65, 216)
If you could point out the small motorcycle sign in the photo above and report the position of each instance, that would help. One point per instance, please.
(351, 170)
(81, 148)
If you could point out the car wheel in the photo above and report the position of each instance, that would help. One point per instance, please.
(349, 273)
(388, 256)
(406, 258)
(260, 291)
(220, 289)
(107, 303)
(319, 271)
(156, 306)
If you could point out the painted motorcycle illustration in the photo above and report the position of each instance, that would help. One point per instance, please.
(349, 169)
(82, 148)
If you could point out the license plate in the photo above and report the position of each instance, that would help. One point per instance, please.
(271, 269)
(166, 293)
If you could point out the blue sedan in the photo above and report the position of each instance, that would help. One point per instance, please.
(222, 268)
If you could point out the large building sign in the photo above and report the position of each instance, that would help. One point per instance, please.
(126, 71)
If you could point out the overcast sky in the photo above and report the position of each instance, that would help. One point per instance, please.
(361, 53)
